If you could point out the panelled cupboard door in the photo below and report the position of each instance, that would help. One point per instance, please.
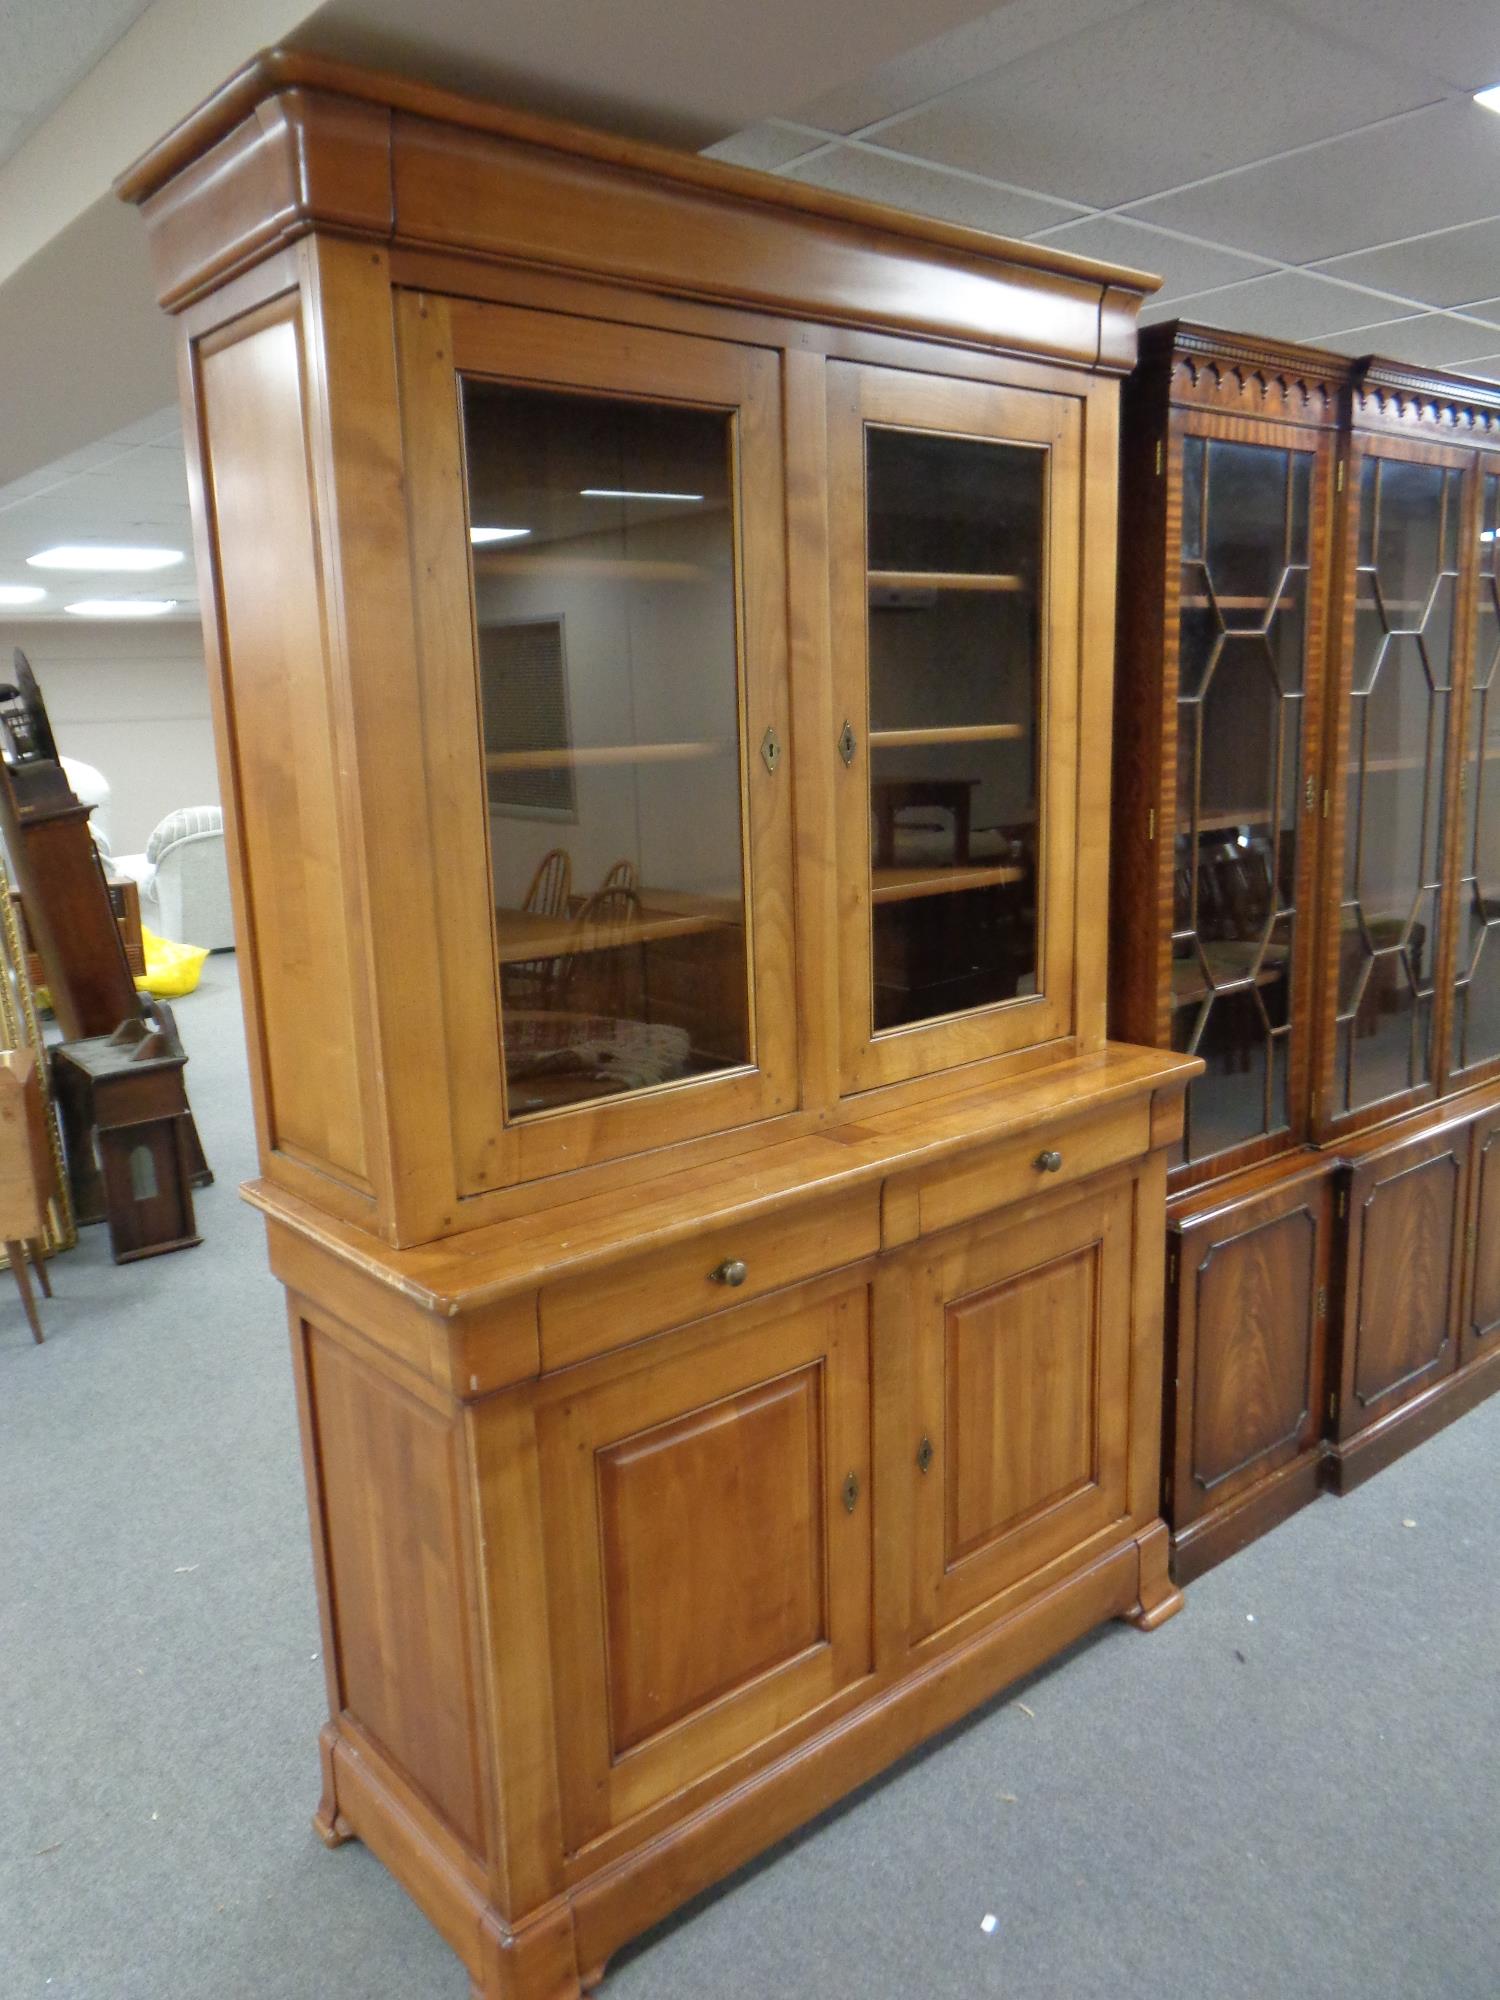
(955, 550)
(1022, 1342)
(708, 1547)
(1251, 1320)
(1481, 1329)
(597, 526)
(1402, 1274)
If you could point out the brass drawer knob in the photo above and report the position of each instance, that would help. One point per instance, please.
(1048, 1162)
(733, 1271)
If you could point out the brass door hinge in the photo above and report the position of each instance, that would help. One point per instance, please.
(1161, 456)
(1151, 824)
(1310, 792)
(1325, 804)
(1343, 1203)
(1333, 1405)
(1320, 1303)
(1341, 476)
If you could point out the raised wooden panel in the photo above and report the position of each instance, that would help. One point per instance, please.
(1021, 1365)
(279, 712)
(390, 1483)
(709, 1575)
(1482, 1317)
(734, 1602)
(1403, 1276)
(1257, 1319)
(1021, 1362)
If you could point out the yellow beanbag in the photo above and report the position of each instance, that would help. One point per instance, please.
(171, 969)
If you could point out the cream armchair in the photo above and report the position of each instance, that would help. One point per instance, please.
(184, 878)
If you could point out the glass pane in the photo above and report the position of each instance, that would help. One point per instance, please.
(955, 555)
(1242, 646)
(604, 586)
(1476, 1014)
(1404, 635)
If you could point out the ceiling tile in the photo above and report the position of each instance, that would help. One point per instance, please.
(963, 54)
(44, 51)
(1457, 41)
(928, 191)
(1288, 305)
(1430, 340)
(1439, 167)
(766, 146)
(1140, 103)
(1446, 269)
(1182, 267)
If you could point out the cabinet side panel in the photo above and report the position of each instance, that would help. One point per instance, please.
(1484, 1296)
(277, 704)
(391, 1477)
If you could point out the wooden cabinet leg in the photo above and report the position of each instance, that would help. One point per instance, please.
(36, 1251)
(535, 1961)
(329, 1824)
(1160, 1599)
(17, 1254)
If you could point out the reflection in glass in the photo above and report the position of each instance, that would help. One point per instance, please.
(1476, 1008)
(954, 546)
(605, 598)
(1405, 596)
(1242, 652)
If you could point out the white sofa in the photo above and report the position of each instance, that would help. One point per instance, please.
(184, 878)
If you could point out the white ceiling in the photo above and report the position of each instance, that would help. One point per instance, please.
(45, 50)
(1313, 169)
(132, 488)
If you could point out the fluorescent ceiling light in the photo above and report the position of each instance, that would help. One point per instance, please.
(122, 607)
(479, 536)
(625, 493)
(21, 593)
(1490, 98)
(103, 555)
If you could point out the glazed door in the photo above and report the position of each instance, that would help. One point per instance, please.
(1387, 988)
(1245, 614)
(708, 1546)
(1020, 1427)
(1250, 1307)
(954, 522)
(1475, 1039)
(1481, 1328)
(597, 519)
(1403, 1269)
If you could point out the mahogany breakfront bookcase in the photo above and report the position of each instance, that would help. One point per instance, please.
(661, 621)
(1307, 895)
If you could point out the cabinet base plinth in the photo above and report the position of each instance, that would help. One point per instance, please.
(538, 1957)
(1160, 1599)
(1202, 1544)
(1359, 1458)
(328, 1823)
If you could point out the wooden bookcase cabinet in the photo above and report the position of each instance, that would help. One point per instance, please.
(1305, 837)
(682, 1444)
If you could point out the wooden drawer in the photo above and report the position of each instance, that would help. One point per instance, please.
(994, 1176)
(584, 1316)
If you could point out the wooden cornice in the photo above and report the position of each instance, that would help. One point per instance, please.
(294, 143)
(1393, 395)
(1207, 367)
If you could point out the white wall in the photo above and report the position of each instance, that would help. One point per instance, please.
(131, 699)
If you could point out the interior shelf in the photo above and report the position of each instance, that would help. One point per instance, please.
(1220, 818)
(977, 732)
(902, 885)
(624, 568)
(942, 579)
(601, 753)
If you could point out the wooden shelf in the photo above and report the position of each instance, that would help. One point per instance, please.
(943, 579)
(979, 732)
(904, 885)
(621, 569)
(602, 753)
(1222, 817)
(1198, 602)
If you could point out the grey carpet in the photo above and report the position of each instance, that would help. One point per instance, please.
(1293, 1788)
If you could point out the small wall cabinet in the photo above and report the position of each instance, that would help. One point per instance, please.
(1305, 880)
(661, 624)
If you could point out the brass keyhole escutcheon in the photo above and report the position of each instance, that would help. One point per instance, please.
(733, 1271)
(846, 743)
(1048, 1162)
(924, 1455)
(851, 1492)
(770, 750)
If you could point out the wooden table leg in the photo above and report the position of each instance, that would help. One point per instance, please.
(17, 1254)
(38, 1255)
